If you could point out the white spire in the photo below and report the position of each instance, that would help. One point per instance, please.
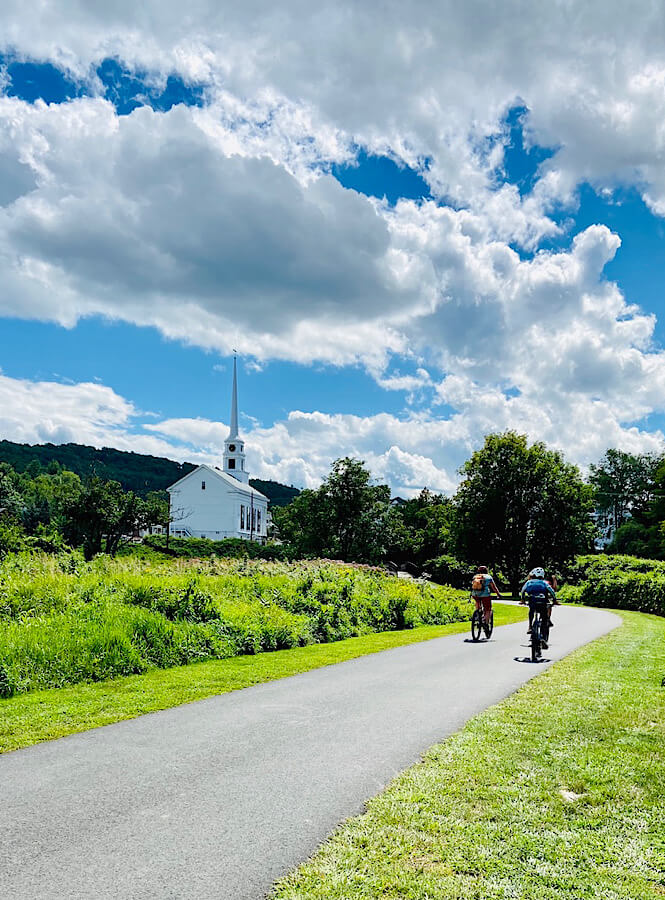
(233, 433)
(234, 446)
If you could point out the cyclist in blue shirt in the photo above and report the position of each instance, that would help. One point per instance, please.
(538, 592)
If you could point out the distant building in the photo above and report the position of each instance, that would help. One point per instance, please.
(606, 526)
(218, 503)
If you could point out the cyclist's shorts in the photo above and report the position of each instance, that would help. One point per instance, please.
(538, 602)
(486, 601)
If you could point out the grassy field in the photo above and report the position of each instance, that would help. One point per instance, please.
(557, 793)
(64, 621)
(41, 715)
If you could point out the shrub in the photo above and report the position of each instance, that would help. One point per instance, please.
(448, 570)
(620, 582)
(65, 620)
(231, 548)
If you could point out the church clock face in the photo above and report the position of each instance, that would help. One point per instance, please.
(232, 448)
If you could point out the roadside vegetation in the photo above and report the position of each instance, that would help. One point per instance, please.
(65, 621)
(617, 582)
(557, 793)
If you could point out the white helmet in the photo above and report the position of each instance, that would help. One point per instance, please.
(538, 572)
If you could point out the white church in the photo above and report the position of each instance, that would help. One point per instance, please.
(219, 503)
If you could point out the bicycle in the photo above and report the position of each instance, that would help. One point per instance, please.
(540, 628)
(478, 626)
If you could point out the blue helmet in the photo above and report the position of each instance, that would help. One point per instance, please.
(538, 572)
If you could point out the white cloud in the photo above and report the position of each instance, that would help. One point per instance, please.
(220, 227)
(406, 452)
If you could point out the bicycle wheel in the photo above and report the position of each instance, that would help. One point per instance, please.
(489, 628)
(535, 639)
(476, 625)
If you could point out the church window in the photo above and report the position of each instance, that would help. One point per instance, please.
(258, 520)
(242, 518)
(203, 485)
(253, 520)
(232, 464)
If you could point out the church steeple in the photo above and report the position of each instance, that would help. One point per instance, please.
(233, 433)
(234, 446)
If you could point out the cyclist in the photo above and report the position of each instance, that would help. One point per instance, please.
(538, 592)
(481, 587)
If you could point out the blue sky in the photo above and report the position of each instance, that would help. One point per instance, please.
(397, 281)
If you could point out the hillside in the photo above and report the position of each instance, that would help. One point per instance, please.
(137, 472)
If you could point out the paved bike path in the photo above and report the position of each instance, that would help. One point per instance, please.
(218, 798)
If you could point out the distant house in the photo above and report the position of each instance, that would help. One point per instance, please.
(218, 503)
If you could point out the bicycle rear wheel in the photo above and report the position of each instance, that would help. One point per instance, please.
(489, 628)
(535, 639)
(476, 625)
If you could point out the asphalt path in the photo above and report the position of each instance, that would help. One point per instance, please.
(219, 798)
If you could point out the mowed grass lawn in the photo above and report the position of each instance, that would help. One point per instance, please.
(42, 715)
(557, 793)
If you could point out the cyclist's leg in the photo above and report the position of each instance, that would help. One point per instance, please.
(487, 608)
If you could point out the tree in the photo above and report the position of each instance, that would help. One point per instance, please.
(423, 528)
(625, 485)
(102, 514)
(346, 518)
(519, 506)
(10, 499)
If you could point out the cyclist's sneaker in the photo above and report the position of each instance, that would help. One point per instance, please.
(528, 631)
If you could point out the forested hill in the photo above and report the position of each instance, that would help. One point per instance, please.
(136, 472)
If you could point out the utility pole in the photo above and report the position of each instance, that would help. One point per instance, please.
(168, 524)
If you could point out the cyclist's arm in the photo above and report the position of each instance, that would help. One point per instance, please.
(552, 595)
(522, 592)
(494, 588)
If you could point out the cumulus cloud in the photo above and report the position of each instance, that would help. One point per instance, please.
(85, 413)
(221, 226)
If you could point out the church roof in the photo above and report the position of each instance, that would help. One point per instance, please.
(232, 482)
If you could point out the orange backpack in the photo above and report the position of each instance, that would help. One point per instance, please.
(478, 583)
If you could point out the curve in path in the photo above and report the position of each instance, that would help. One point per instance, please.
(218, 798)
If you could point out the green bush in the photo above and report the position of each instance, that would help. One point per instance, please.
(65, 620)
(617, 581)
(448, 570)
(230, 548)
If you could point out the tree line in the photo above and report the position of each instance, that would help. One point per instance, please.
(51, 508)
(517, 505)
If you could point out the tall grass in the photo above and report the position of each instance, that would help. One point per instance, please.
(64, 621)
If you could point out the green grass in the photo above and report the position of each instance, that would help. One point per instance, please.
(557, 793)
(42, 715)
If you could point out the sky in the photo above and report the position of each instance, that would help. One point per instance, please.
(414, 227)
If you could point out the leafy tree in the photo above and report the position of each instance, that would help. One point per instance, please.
(346, 518)
(519, 506)
(10, 499)
(305, 523)
(102, 514)
(45, 498)
(422, 528)
(635, 539)
(625, 485)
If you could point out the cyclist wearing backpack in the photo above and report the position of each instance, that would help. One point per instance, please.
(538, 592)
(482, 585)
